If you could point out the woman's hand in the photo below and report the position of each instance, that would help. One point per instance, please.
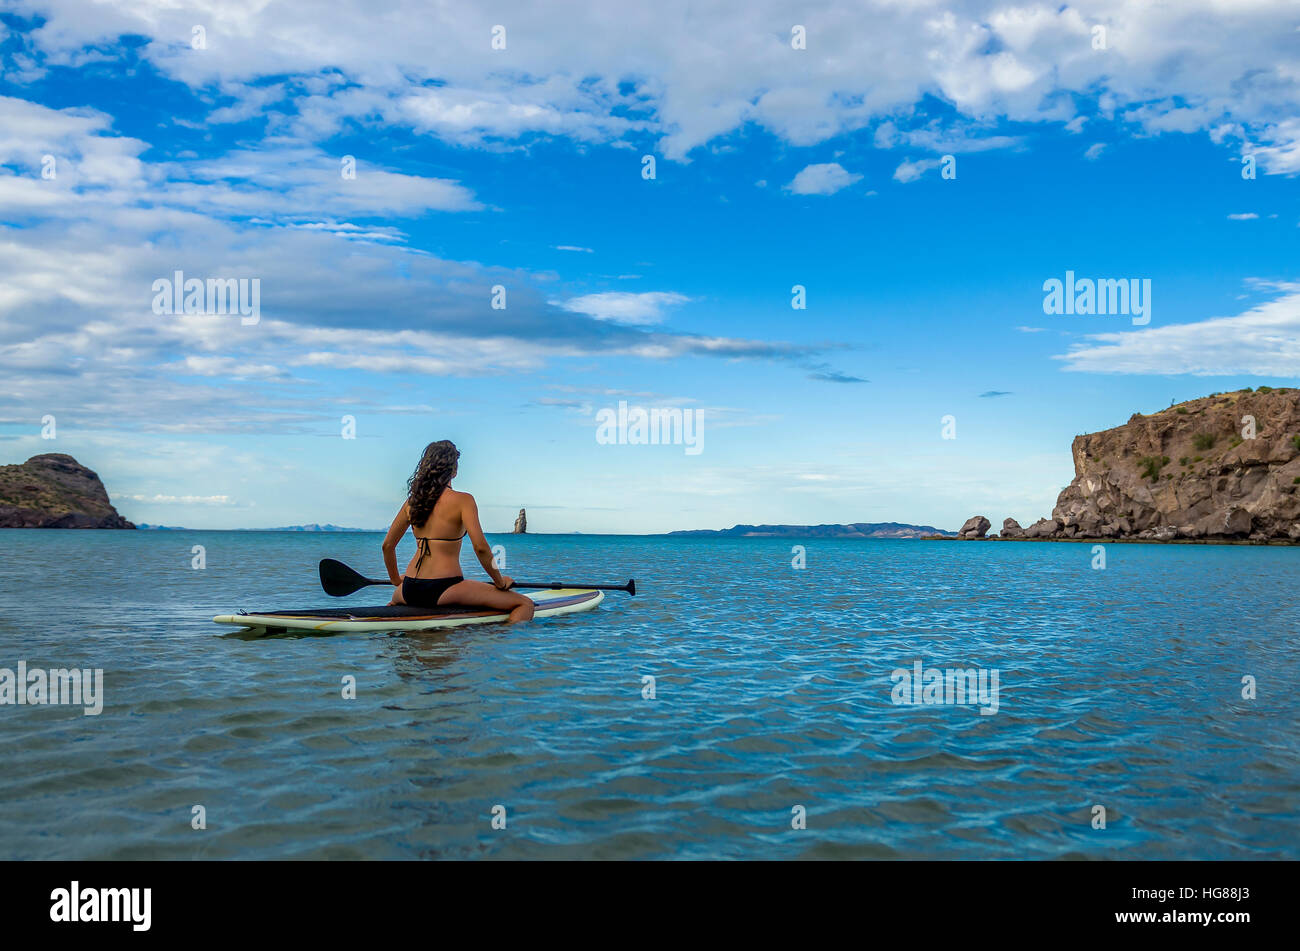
(504, 582)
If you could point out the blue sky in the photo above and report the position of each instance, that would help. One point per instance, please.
(522, 168)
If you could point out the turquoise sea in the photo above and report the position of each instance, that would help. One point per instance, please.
(1119, 688)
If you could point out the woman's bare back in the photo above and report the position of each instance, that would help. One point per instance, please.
(438, 539)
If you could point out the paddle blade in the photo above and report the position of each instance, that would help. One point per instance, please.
(631, 586)
(339, 580)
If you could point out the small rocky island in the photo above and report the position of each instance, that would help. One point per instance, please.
(53, 490)
(521, 524)
(1222, 468)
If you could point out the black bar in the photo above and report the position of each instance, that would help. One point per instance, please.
(933, 904)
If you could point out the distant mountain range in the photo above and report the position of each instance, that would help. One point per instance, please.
(327, 527)
(850, 530)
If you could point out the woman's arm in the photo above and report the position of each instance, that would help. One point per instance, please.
(469, 515)
(395, 532)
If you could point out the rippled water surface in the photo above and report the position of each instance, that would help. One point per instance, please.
(1119, 688)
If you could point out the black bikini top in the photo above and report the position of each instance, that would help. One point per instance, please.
(422, 544)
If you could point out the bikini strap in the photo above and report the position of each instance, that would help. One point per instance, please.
(430, 538)
(422, 547)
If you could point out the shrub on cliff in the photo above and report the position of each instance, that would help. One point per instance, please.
(1151, 466)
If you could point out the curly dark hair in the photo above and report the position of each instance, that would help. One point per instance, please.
(431, 476)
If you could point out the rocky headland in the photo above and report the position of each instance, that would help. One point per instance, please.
(1223, 468)
(53, 490)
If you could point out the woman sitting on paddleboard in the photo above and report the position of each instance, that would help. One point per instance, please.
(440, 517)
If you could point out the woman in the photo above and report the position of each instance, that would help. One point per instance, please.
(440, 517)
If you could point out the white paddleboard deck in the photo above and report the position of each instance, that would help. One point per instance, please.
(550, 602)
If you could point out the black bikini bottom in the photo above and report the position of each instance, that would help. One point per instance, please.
(425, 592)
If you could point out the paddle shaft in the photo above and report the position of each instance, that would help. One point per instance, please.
(331, 570)
(630, 587)
(537, 584)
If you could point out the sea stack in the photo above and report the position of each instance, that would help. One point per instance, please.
(53, 490)
(976, 526)
(521, 524)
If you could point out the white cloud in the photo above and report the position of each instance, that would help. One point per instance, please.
(934, 136)
(1094, 151)
(292, 180)
(95, 167)
(910, 171)
(214, 365)
(625, 307)
(686, 75)
(77, 327)
(1245, 216)
(824, 179)
(1263, 341)
(249, 103)
(345, 229)
(555, 107)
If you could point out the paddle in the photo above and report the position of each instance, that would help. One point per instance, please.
(339, 580)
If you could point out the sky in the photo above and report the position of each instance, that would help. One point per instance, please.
(456, 233)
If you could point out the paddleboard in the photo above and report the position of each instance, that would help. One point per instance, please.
(550, 602)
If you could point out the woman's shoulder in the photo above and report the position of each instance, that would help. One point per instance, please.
(459, 498)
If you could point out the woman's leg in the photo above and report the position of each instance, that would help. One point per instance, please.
(480, 594)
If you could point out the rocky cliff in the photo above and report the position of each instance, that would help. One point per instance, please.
(53, 490)
(521, 524)
(1223, 467)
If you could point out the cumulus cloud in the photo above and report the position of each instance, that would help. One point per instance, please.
(824, 179)
(686, 76)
